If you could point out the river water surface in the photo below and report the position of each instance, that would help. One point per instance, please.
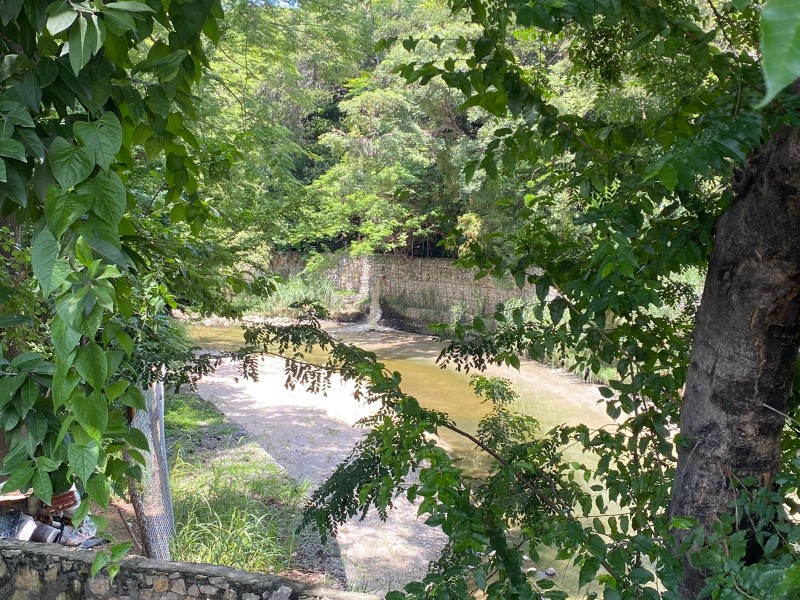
(551, 396)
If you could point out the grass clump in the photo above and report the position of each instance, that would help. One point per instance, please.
(232, 505)
(279, 303)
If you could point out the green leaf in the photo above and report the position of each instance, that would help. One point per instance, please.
(683, 523)
(103, 137)
(780, 46)
(62, 15)
(130, 6)
(42, 486)
(668, 177)
(20, 477)
(14, 321)
(37, 425)
(70, 164)
(83, 459)
(82, 43)
(9, 9)
(110, 199)
(31, 141)
(65, 339)
(588, 570)
(116, 389)
(62, 432)
(62, 209)
(100, 561)
(98, 489)
(47, 464)
(91, 411)
(29, 392)
(91, 365)
(110, 255)
(12, 149)
(134, 398)
(118, 551)
(49, 270)
(9, 385)
(137, 439)
(791, 578)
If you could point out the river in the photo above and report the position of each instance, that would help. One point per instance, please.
(551, 396)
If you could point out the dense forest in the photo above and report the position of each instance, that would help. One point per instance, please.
(606, 152)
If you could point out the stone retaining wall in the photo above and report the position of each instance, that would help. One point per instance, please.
(417, 290)
(31, 571)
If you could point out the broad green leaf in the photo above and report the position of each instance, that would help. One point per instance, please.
(101, 559)
(9, 9)
(780, 46)
(91, 411)
(103, 137)
(137, 439)
(98, 489)
(791, 578)
(37, 425)
(134, 398)
(120, 550)
(125, 342)
(116, 389)
(83, 459)
(110, 201)
(130, 6)
(110, 255)
(46, 464)
(32, 142)
(62, 15)
(15, 185)
(20, 477)
(7, 321)
(62, 209)
(83, 252)
(50, 271)
(19, 116)
(62, 432)
(69, 164)
(42, 486)
(91, 364)
(65, 339)
(12, 149)
(29, 393)
(9, 384)
(82, 43)
(166, 68)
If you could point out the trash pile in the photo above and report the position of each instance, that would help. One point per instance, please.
(23, 517)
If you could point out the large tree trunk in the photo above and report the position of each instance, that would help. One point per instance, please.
(745, 343)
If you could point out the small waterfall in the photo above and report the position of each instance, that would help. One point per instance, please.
(375, 301)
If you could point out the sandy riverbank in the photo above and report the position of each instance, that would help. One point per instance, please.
(308, 435)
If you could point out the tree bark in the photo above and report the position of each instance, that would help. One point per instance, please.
(745, 344)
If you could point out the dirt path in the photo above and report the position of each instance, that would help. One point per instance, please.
(308, 435)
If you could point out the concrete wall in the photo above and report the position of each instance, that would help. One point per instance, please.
(31, 571)
(418, 290)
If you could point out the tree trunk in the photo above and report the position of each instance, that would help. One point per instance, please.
(745, 343)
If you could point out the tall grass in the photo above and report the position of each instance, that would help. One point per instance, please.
(278, 304)
(232, 505)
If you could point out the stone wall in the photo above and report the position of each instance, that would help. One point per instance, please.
(31, 571)
(416, 290)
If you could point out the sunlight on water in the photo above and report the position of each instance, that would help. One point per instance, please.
(549, 395)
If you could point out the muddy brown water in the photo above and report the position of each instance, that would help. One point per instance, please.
(551, 396)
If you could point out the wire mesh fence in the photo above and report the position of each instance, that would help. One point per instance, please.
(153, 504)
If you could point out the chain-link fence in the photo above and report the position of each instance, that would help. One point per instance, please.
(154, 504)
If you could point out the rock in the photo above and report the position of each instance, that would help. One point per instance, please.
(550, 572)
